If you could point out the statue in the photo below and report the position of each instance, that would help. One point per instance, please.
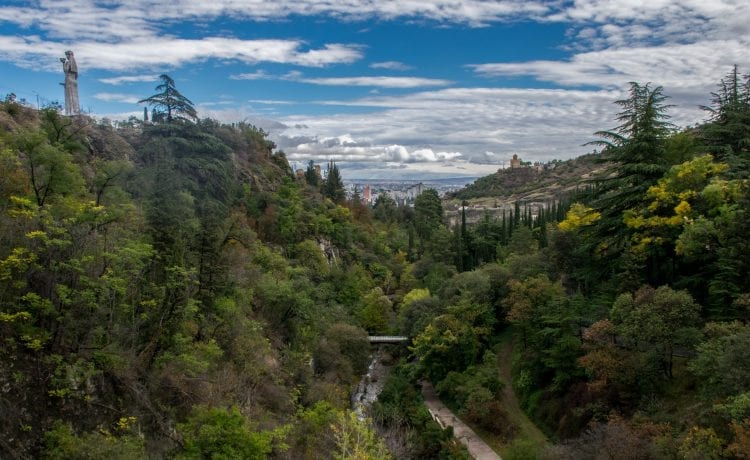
(72, 107)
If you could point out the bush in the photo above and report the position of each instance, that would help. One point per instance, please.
(521, 449)
(222, 434)
(61, 443)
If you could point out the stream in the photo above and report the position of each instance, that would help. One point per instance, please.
(371, 383)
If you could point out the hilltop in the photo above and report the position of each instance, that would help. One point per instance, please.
(534, 183)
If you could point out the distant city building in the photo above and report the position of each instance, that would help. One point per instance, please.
(367, 194)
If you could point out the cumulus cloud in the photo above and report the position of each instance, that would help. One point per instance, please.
(118, 97)
(381, 82)
(687, 72)
(124, 19)
(270, 102)
(173, 52)
(668, 64)
(372, 81)
(390, 65)
(257, 75)
(484, 126)
(346, 148)
(128, 79)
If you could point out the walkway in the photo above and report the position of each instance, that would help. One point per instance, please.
(387, 339)
(478, 449)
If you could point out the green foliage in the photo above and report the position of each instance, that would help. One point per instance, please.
(727, 136)
(522, 449)
(636, 150)
(222, 434)
(357, 439)
(168, 103)
(343, 351)
(333, 186)
(384, 208)
(400, 407)
(736, 408)
(151, 268)
(700, 443)
(49, 166)
(453, 340)
(657, 319)
(375, 313)
(428, 216)
(311, 174)
(722, 365)
(61, 443)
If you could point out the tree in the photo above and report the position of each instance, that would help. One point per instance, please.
(222, 433)
(385, 209)
(722, 365)
(168, 103)
(428, 215)
(674, 202)
(636, 149)
(311, 174)
(727, 135)
(333, 187)
(657, 320)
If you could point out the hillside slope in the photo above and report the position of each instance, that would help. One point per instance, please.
(524, 183)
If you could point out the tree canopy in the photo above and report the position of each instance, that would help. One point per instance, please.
(168, 104)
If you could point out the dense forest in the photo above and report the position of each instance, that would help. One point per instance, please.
(171, 289)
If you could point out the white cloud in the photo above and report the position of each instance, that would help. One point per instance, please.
(271, 102)
(118, 97)
(687, 72)
(475, 125)
(346, 148)
(381, 82)
(173, 52)
(123, 19)
(128, 79)
(390, 65)
(372, 81)
(257, 75)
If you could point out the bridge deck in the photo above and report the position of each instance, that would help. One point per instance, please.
(387, 339)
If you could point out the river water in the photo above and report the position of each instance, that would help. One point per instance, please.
(371, 383)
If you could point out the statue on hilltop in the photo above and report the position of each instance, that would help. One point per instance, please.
(70, 68)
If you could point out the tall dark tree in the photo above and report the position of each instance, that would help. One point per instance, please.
(428, 210)
(169, 104)
(727, 135)
(333, 187)
(636, 151)
(311, 174)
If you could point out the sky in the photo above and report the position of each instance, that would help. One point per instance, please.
(398, 89)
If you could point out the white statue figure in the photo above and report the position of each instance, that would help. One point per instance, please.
(72, 107)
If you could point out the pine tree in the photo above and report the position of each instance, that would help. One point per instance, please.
(727, 135)
(311, 174)
(333, 187)
(635, 150)
(169, 104)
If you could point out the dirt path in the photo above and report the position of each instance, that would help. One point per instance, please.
(478, 449)
(510, 401)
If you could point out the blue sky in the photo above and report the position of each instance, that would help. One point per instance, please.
(387, 88)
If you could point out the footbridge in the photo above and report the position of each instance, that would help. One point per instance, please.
(387, 339)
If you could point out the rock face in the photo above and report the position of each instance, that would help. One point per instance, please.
(70, 68)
